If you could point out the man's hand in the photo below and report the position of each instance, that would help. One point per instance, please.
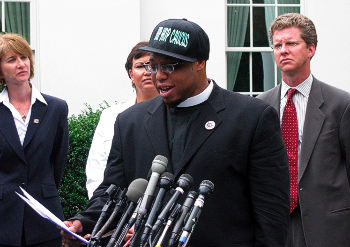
(76, 227)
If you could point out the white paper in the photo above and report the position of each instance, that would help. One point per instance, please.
(45, 213)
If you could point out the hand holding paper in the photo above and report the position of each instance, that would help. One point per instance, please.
(45, 213)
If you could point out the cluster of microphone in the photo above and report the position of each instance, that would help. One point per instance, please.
(155, 223)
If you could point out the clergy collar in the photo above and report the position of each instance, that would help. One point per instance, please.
(199, 98)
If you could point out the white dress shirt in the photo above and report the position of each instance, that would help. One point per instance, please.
(21, 125)
(101, 145)
(300, 99)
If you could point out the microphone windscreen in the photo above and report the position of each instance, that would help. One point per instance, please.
(159, 164)
(185, 181)
(136, 189)
(167, 176)
(206, 188)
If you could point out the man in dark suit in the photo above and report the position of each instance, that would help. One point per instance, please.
(320, 213)
(209, 133)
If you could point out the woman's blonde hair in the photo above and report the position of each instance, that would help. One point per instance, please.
(13, 42)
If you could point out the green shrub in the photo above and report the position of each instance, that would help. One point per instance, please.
(72, 191)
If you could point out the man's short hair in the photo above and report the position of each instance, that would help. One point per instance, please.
(306, 26)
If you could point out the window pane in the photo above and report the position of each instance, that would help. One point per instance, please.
(262, 18)
(238, 71)
(238, 26)
(284, 10)
(263, 71)
(253, 71)
(17, 18)
(238, 1)
(289, 1)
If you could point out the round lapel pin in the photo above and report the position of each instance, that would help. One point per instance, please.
(210, 125)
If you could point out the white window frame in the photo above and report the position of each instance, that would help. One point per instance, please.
(252, 49)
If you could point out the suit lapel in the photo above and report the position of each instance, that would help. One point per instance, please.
(38, 111)
(8, 129)
(275, 98)
(199, 134)
(200, 130)
(156, 130)
(314, 119)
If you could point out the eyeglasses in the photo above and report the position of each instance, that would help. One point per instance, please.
(165, 68)
(289, 44)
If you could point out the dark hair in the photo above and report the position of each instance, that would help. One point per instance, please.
(135, 54)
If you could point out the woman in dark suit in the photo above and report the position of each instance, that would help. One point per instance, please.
(33, 149)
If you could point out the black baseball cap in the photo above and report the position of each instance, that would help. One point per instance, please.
(181, 39)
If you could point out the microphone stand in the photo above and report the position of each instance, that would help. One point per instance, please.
(137, 229)
(122, 225)
(165, 183)
(140, 221)
(120, 203)
(206, 188)
(172, 217)
(182, 219)
(184, 241)
(133, 196)
(111, 191)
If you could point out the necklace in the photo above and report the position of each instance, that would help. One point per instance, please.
(24, 116)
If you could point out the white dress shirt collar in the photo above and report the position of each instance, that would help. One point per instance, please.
(304, 87)
(21, 125)
(199, 98)
(4, 97)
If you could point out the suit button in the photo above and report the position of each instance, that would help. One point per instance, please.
(301, 189)
(23, 185)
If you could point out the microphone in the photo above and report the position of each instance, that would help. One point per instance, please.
(120, 198)
(133, 195)
(184, 183)
(174, 213)
(111, 191)
(187, 205)
(165, 183)
(159, 165)
(206, 188)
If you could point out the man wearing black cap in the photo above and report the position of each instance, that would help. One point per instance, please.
(210, 133)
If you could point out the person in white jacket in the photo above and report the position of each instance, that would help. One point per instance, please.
(102, 140)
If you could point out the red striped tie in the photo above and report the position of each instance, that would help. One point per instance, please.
(289, 129)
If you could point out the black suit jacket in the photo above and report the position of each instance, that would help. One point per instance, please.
(37, 166)
(244, 156)
(324, 164)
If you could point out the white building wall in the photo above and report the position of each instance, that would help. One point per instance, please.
(82, 45)
(83, 48)
(331, 62)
